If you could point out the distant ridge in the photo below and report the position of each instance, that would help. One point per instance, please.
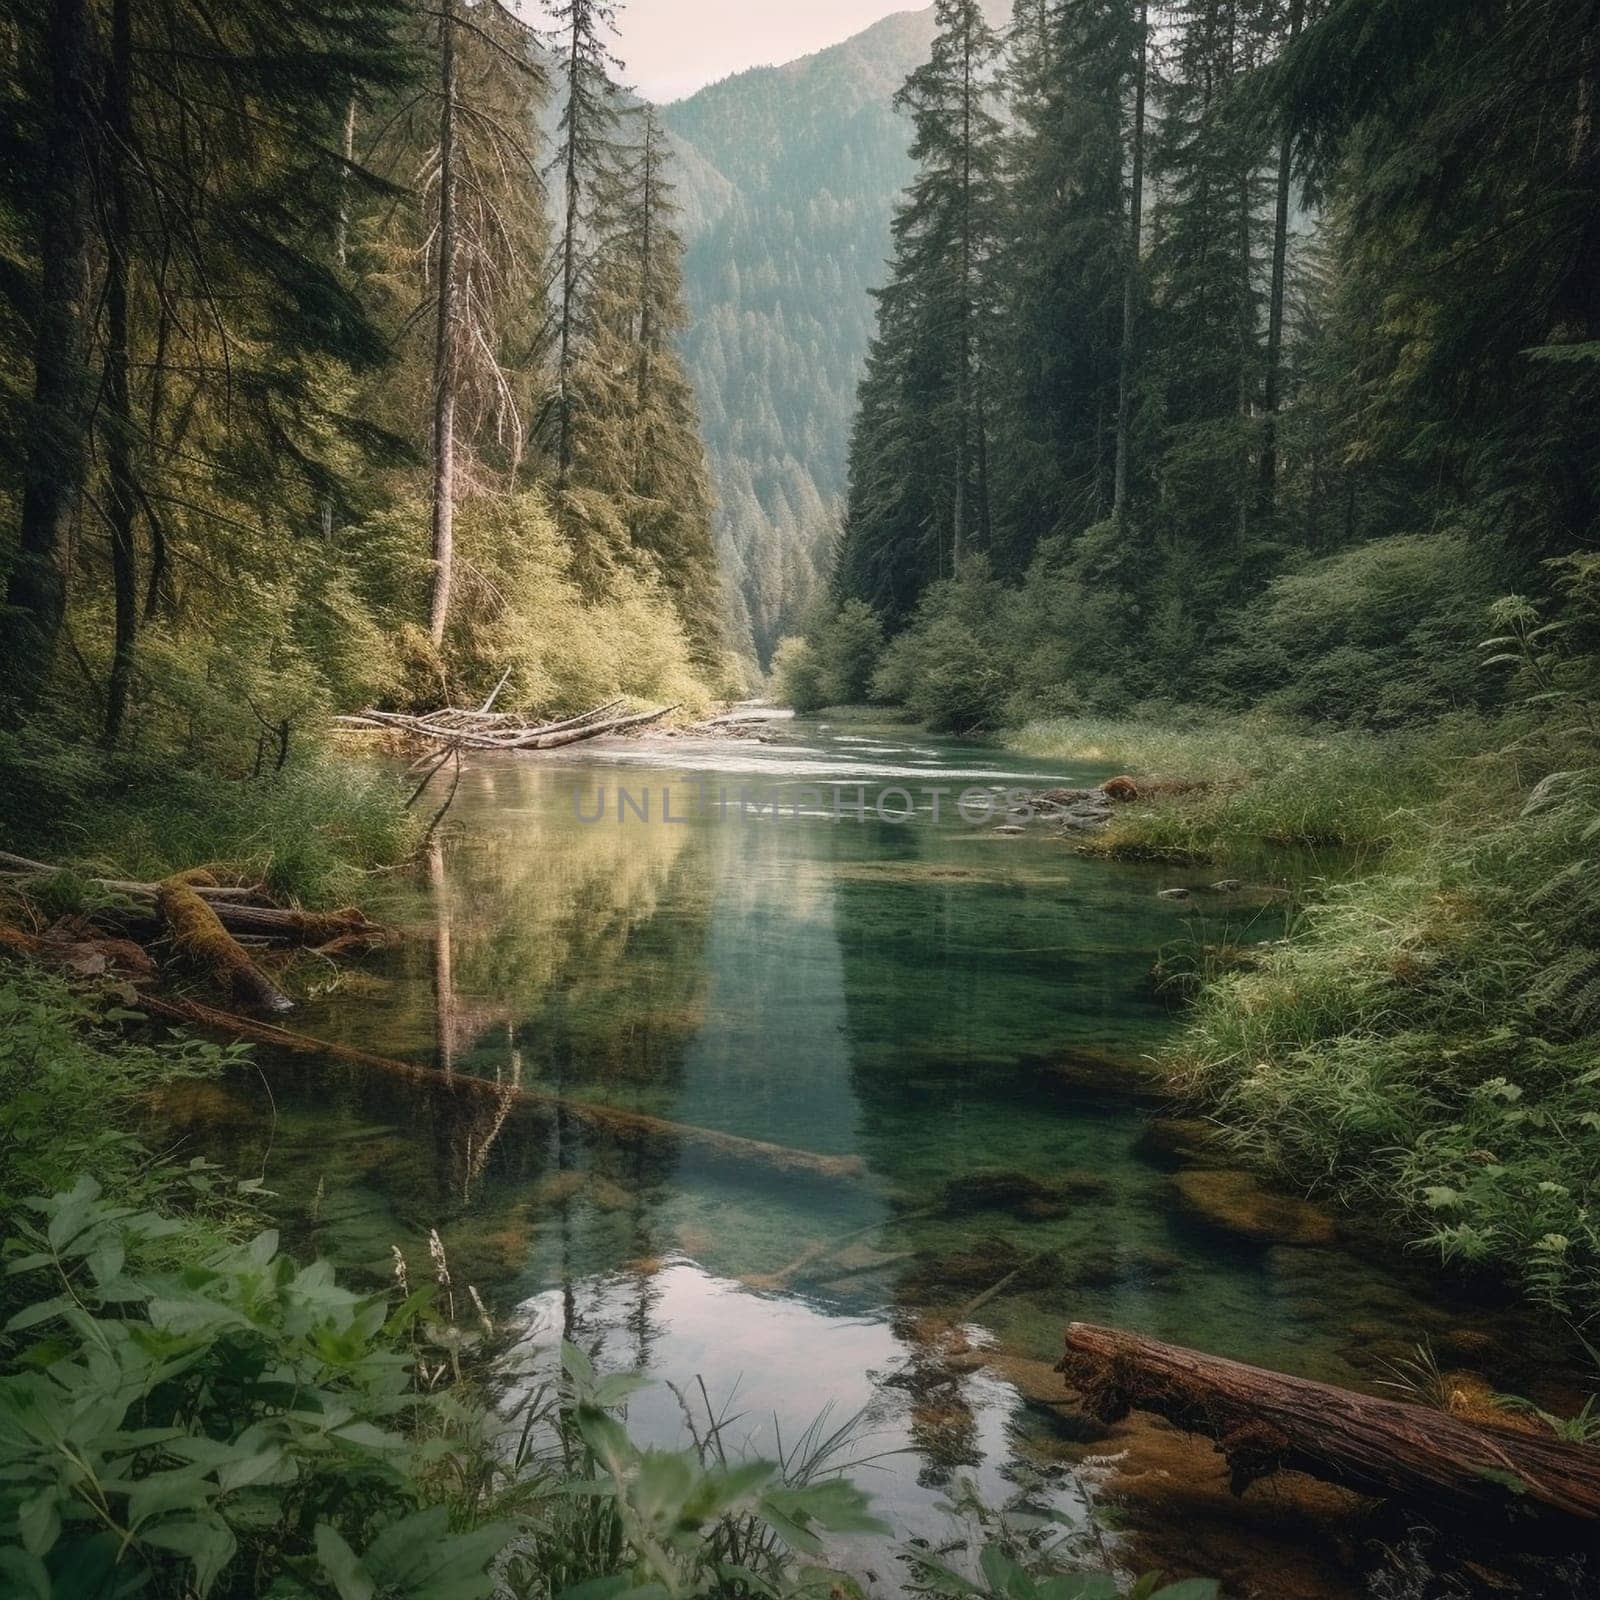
(788, 176)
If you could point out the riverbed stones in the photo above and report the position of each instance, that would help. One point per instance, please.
(1238, 1203)
(1034, 1199)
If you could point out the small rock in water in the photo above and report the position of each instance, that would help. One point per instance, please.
(1176, 894)
(1227, 886)
(1238, 1203)
(1011, 829)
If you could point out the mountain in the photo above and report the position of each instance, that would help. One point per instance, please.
(788, 177)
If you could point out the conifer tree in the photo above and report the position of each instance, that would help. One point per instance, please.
(585, 170)
(637, 441)
(1068, 275)
(920, 503)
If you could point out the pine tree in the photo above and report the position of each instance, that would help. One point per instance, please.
(1068, 277)
(1209, 165)
(921, 493)
(585, 170)
(638, 441)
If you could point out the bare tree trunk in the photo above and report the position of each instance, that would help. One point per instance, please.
(1130, 276)
(1271, 397)
(444, 355)
(56, 459)
(341, 238)
(122, 485)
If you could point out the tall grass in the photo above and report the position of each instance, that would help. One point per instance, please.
(308, 832)
(1428, 1046)
(1216, 791)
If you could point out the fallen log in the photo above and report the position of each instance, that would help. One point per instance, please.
(21, 866)
(608, 1119)
(454, 729)
(201, 939)
(594, 730)
(1264, 1421)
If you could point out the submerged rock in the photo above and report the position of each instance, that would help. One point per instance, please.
(980, 1265)
(1036, 1199)
(1176, 894)
(1238, 1203)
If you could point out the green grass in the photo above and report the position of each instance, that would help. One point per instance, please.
(1426, 1045)
(309, 833)
(1219, 791)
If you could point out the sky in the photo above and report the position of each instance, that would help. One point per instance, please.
(673, 47)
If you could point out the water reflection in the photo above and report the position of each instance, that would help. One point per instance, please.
(904, 995)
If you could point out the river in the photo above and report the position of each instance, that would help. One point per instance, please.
(931, 996)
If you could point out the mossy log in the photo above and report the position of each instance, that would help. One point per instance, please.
(1263, 1421)
(201, 939)
(608, 1119)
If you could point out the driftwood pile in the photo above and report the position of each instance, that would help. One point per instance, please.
(455, 728)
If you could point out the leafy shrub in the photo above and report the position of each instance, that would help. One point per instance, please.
(1381, 635)
(796, 675)
(231, 1427)
(949, 665)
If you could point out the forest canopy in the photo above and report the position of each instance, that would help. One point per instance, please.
(330, 379)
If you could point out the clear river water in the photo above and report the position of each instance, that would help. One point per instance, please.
(934, 998)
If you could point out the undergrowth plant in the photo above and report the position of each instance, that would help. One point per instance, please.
(1428, 1045)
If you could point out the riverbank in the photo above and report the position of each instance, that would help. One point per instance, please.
(308, 831)
(1422, 1047)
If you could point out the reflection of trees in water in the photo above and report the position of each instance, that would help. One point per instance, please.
(588, 941)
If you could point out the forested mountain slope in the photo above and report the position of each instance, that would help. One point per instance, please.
(787, 178)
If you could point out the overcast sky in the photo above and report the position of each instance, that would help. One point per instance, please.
(673, 47)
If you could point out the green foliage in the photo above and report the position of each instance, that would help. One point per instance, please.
(1429, 1042)
(949, 667)
(834, 664)
(229, 1427)
(71, 1083)
(308, 831)
(797, 675)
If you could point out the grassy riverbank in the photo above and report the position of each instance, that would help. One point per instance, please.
(1221, 788)
(1424, 1047)
(308, 832)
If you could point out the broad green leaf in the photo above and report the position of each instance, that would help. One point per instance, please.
(342, 1565)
